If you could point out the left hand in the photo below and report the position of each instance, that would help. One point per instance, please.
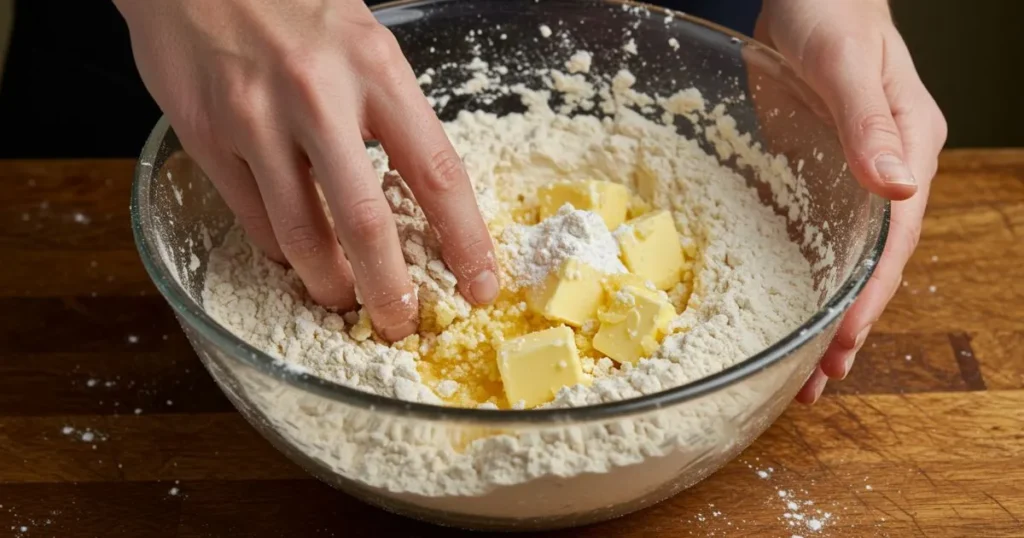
(850, 53)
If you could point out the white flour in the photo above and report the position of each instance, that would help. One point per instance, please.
(534, 252)
(752, 287)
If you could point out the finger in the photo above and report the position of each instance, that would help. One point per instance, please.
(912, 98)
(880, 287)
(420, 150)
(838, 359)
(924, 133)
(921, 123)
(299, 223)
(238, 188)
(850, 82)
(366, 227)
(813, 388)
(924, 140)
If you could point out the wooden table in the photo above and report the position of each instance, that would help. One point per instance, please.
(926, 438)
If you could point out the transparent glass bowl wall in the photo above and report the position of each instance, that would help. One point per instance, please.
(706, 423)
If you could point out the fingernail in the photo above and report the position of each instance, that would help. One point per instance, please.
(398, 332)
(849, 364)
(892, 170)
(484, 288)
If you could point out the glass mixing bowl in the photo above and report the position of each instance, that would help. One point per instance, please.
(177, 216)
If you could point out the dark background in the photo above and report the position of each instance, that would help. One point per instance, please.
(69, 87)
(970, 56)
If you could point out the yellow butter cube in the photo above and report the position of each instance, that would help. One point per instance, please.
(570, 295)
(637, 207)
(651, 249)
(633, 324)
(534, 367)
(607, 199)
(614, 283)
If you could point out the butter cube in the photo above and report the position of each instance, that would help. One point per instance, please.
(633, 324)
(607, 199)
(534, 367)
(614, 283)
(637, 207)
(651, 249)
(570, 295)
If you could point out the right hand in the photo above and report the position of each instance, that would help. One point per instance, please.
(261, 91)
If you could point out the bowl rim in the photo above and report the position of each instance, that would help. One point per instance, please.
(302, 379)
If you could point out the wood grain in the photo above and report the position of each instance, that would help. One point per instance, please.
(913, 465)
(925, 438)
(1003, 353)
(108, 383)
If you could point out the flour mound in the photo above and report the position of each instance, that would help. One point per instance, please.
(534, 252)
(266, 305)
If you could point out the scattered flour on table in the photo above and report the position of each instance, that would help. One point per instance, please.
(803, 516)
(800, 514)
(86, 435)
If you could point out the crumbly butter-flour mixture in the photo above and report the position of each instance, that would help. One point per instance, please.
(743, 283)
(739, 284)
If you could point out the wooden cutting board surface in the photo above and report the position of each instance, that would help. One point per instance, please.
(925, 438)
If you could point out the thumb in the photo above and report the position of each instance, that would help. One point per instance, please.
(852, 87)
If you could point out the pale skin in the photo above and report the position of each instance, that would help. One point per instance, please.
(850, 53)
(267, 94)
(273, 97)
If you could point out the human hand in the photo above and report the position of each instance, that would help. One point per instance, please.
(850, 53)
(260, 92)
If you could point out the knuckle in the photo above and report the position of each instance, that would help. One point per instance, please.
(380, 43)
(367, 221)
(845, 48)
(391, 304)
(303, 70)
(379, 51)
(244, 102)
(826, 53)
(303, 76)
(876, 122)
(444, 172)
(476, 245)
(302, 242)
(470, 255)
